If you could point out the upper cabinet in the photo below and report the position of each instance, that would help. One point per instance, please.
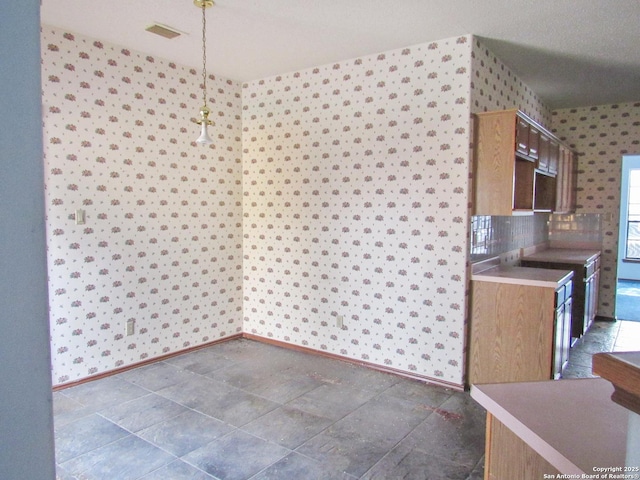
(566, 186)
(548, 155)
(520, 167)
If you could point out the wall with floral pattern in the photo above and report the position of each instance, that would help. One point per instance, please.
(355, 205)
(495, 87)
(162, 242)
(601, 135)
(354, 180)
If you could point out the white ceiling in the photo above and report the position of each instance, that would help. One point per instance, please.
(571, 52)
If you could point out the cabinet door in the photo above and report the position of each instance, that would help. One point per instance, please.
(494, 162)
(596, 290)
(566, 338)
(522, 136)
(588, 305)
(511, 333)
(565, 182)
(543, 153)
(554, 154)
(561, 179)
(534, 141)
(591, 302)
(572, 161)
(558, 342)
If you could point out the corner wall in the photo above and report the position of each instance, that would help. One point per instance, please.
(162, 242)
(495, 87)
(355, 205)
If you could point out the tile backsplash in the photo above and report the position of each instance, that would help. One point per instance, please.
(578, 230)
(496, 235)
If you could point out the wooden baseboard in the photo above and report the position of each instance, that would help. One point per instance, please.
(270, 341)
(145, 362)
(373, 366)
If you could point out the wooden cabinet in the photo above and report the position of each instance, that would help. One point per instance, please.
(562, 330)
(522, 135)
(540, 430)
(516, 163)
(586, 274)
(548, 155)
(544, 153)
(554, 156)
(508, 457)
(527, 137)
(519, 332)
(503, 182)
(566, 186)
(591, 286)
(534, 141)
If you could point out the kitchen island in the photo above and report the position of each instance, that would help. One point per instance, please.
(585, 265)
(538, 430)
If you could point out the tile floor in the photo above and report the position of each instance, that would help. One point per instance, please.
(247, 410)
(603, 336)
(244, 409)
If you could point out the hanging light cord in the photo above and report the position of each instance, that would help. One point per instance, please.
(204, 53)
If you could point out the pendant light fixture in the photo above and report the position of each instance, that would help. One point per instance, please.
(204, 122)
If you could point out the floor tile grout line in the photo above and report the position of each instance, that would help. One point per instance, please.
(233, 427)
(376, 395)
(453, 462)
(432, 412)
(130, 434)
(172, 461)
(394, 446)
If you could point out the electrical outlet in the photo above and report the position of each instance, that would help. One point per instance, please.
(131, 327)
(340, 321)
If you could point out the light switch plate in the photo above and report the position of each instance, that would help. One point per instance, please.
(80, 219)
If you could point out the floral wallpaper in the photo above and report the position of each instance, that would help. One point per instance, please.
(338, 194)
(601, 135)
(495, 87)
(355, 206)
(162, 241)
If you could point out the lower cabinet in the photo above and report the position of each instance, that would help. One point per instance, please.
(585, 296)
(518, 333)
(562, 332)
(592, 284)
(538, 430)
(508, 457)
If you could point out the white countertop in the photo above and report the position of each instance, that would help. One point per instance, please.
(573, 424)
(536, 277)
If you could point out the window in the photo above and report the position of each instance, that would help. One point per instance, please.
(632, 251)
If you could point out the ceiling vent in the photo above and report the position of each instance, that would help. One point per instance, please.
(163, 31)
